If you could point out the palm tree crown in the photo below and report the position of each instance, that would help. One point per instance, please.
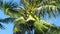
(30, 16)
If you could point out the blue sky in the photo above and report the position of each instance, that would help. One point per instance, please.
(9, 27)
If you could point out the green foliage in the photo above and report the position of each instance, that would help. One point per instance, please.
(5, 21)
(1, 26)
(32, 10)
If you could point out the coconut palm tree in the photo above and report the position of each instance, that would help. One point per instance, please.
(30, 14)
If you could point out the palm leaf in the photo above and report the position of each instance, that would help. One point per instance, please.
(53, 30)
(48, 9)
(1, 26)
(1, 2)
(7, 20)
(9, 8)
(46, 28)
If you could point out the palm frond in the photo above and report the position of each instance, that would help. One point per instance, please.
(12, 12)
(48, 9)
(53, 30)
(7, 20)
(1, 2)
(9, 8)
(9, 4)
(1, 26)
(46, 28)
